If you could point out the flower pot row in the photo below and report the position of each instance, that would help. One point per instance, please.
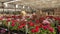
(32, 25)
(6, 31)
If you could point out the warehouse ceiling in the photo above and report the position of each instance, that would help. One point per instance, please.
(36, 3)
(4, 0)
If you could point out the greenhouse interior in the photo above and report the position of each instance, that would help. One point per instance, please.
(29, 16)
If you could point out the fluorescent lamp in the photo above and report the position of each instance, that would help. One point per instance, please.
(12, 1)
(5, 4)
(23, 6)
(16, 6)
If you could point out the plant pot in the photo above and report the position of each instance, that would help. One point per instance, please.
(21, 32)
(14, 32)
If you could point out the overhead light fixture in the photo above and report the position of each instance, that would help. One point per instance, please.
(23, 6)
(12, 1)
(16, 6)
(5, 4)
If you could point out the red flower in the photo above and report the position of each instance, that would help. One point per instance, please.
(13, 16)
(27, 17)
(44, 27)
(41, 18)
(20, 16)
(8, 19)
(37, 21)
(51, 29)
(20, 26)
(54, 18)
(57, 18)
(48, 25)
(36, 28)
(23, 24)
(49, 16)
(33, 30)
(13, 24)
(1, 18)
(59, 28)
(31, 23)
(41, 25)
(14, 20)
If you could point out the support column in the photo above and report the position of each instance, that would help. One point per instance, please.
(3, 6)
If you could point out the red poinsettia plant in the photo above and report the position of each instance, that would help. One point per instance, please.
(41, 25)
(41, 29)
(13, 23)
